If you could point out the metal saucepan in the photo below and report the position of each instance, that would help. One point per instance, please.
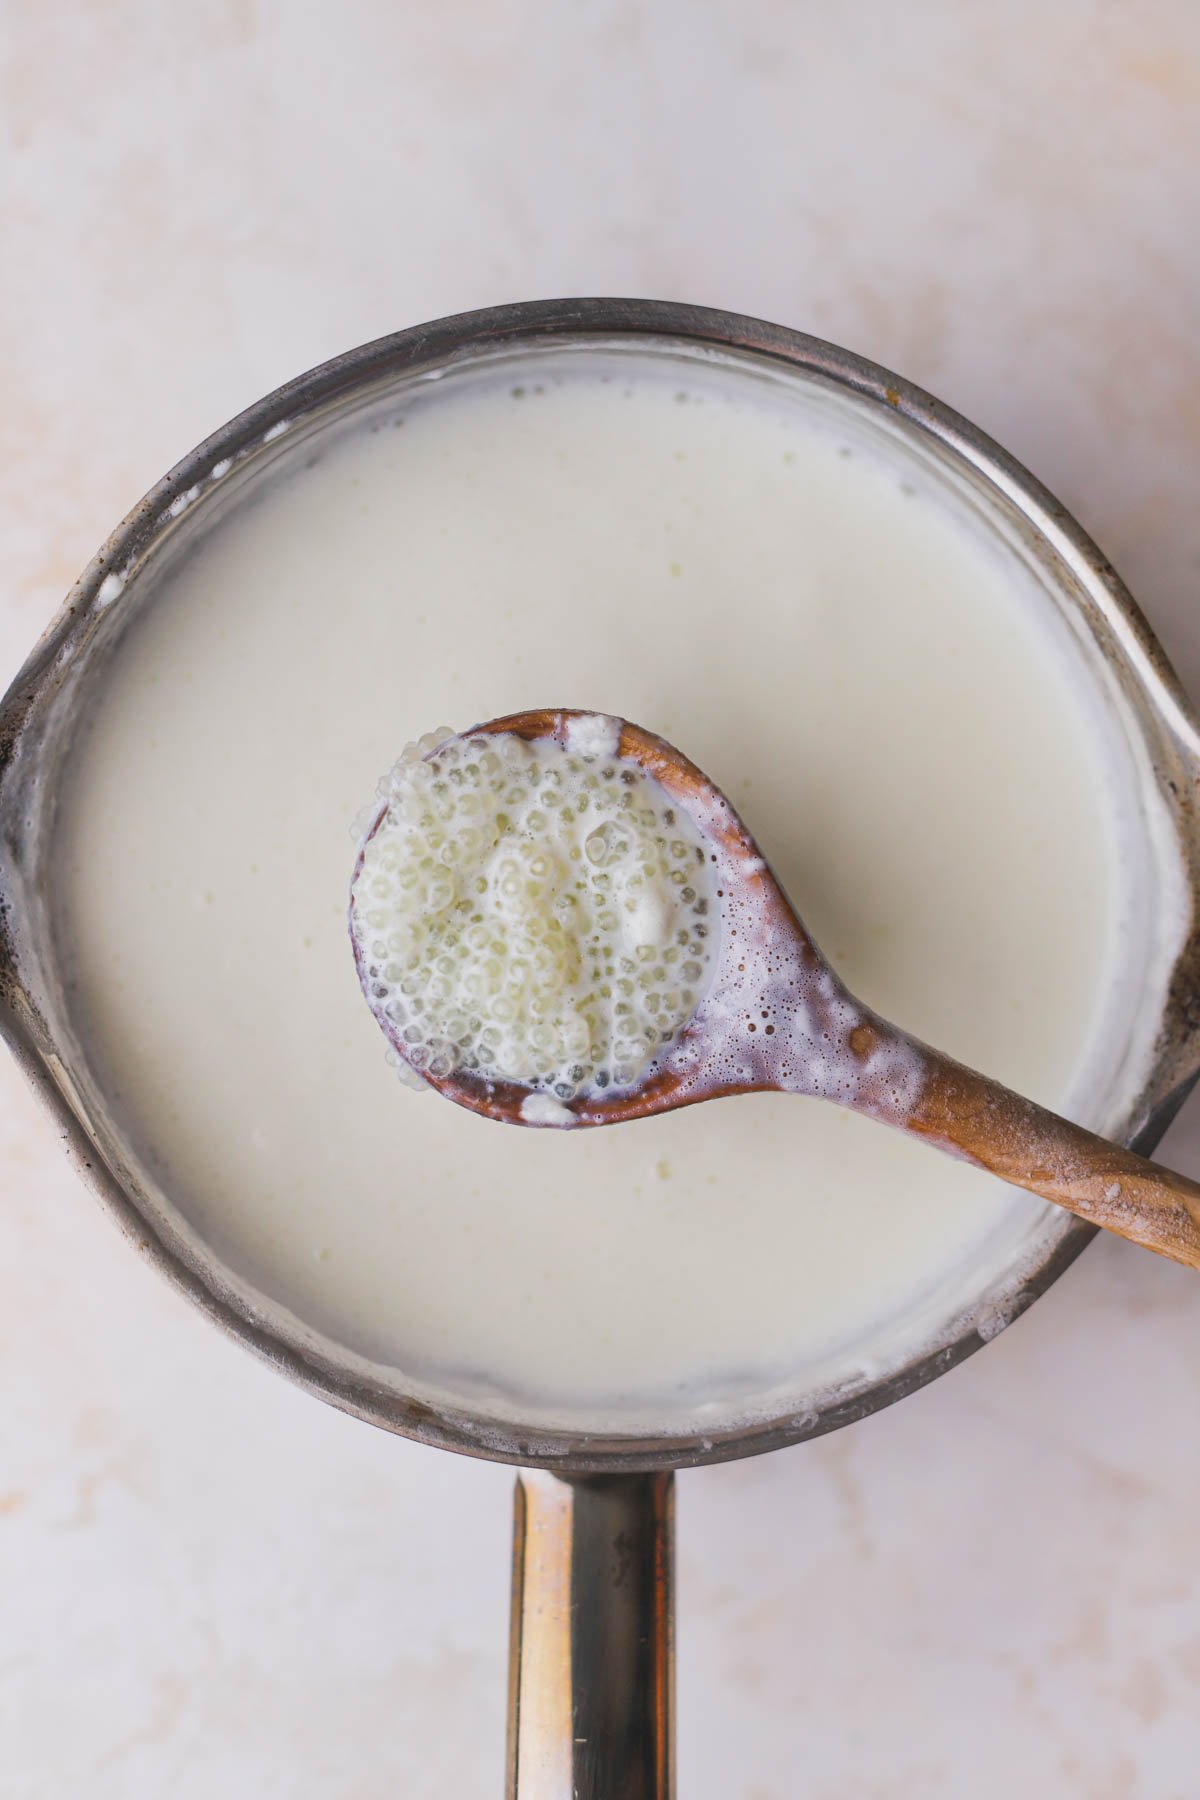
(591, 1659)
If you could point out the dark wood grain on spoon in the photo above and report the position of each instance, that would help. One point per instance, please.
(842, 1051)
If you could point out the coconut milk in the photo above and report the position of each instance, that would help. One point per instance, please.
(832, 640)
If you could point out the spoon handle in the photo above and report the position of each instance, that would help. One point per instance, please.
(968, 1115)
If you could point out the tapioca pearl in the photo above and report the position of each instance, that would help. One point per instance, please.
(575, 938)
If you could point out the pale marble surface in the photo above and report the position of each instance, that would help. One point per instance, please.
(213, 1585)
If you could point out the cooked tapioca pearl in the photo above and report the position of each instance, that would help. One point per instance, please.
(517, 907)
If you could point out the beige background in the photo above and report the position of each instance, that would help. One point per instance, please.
(212, 1585)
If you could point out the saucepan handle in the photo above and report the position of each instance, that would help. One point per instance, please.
(592, 1655)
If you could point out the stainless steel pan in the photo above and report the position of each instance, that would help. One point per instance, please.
(591, 1660)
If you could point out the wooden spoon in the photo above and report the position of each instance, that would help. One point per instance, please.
(777, 1017)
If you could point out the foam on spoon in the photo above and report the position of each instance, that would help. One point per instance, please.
(531, 912)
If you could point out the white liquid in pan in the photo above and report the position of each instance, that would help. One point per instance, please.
(862, 674)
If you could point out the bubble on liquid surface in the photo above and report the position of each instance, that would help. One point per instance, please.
(530, 913)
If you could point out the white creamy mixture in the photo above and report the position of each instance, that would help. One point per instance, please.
(531, 912)
(866, 678)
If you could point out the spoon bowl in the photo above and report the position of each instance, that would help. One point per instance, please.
(689, 1069)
